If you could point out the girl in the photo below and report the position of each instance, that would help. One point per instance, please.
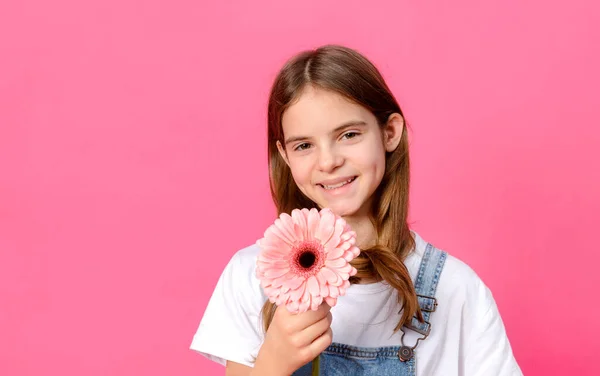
(337, 139)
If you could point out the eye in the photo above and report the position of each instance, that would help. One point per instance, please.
(349, 135)
(302, 146)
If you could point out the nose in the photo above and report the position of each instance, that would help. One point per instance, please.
(329, 159)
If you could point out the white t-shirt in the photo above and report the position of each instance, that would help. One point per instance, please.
(467, 333)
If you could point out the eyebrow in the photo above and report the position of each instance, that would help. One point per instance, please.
(348, 124)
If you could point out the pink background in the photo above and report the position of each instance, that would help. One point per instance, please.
(133, 164)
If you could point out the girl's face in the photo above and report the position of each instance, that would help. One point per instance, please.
(336, 150)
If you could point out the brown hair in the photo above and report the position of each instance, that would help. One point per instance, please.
(348, 73)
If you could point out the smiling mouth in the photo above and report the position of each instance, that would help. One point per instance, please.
(339, 185)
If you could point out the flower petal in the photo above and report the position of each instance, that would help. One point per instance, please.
(275, 236)
(334, 241)
(346, 236)
(273, 244)
(294, 282)
(345, 246)
(346, 268)
(337, 263)
(312, 221)
(353, 271)
(323, 289)
(292, 306)
(297, 293)
(312, 286)
(326, 227)
(330, 276)
(282, 299)
(316, 302)
(269, 291)
(305, 301)
(281, 282)
(270, 256)
(334, 292)
(331, 301)
(275, 273)
(348, 256)
(268, 263)
(304, 306)
(285, 224)
(335, 253)
(295, 229)
(300, 223)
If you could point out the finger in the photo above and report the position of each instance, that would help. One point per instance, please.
(305, 319)
(320, 343)
(308, 335)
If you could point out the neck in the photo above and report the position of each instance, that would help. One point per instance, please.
(366, 234)
(366, 237)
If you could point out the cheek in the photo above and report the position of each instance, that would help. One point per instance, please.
(300, 172)
(372, 159)
(374, 167)
(380, 167)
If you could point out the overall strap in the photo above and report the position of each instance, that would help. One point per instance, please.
(426, 285)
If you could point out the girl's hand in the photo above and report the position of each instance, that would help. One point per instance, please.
(293, 340)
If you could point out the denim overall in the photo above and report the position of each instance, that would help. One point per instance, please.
(343, 360)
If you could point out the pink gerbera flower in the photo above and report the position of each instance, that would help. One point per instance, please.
(304, 259)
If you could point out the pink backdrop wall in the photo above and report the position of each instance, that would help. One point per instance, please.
(132, 164)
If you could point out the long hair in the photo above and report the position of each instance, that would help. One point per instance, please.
(345, 71)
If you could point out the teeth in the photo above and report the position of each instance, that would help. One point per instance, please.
(338, 185)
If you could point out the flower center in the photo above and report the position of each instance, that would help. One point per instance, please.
(307, 258)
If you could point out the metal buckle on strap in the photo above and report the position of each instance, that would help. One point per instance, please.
(422, 332)
(430, 304)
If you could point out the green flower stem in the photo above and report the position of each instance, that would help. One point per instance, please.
(315, 366)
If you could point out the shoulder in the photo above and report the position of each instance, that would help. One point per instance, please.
(459, 284)
(245, 259)
(241, 271)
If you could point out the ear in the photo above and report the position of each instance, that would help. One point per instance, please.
(392, 132)
(282, 153)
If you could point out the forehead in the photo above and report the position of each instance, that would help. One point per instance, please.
(317, 110)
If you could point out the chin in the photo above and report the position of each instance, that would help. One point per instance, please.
(342, 209)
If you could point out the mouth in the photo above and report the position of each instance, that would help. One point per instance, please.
(338, 185)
